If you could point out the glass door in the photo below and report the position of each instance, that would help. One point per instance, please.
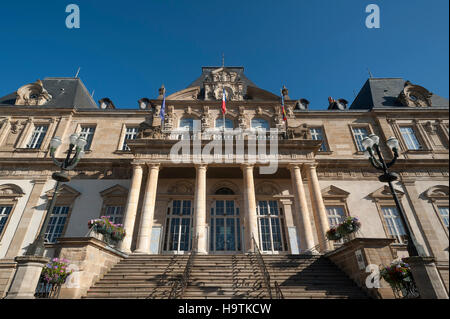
(225, 227)
(271, 229)
(178, 226)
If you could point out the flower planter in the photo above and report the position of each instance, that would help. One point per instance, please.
(106, 231)
(398, 275)
(344, 230)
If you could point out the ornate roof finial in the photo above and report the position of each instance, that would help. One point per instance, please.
(285, 92)
(161, 92)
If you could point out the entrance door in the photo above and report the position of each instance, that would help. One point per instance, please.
(178, 226)
(225, 227)
(271, 230)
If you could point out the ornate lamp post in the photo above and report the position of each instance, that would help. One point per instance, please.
(371, 144)
(74, 154)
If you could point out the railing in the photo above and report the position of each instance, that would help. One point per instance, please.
(180, 285)
(265, 272)
(278, 292)
(46, 290)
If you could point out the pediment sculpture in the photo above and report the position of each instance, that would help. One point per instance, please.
(32, 94)
(415, 96)
(300, 132)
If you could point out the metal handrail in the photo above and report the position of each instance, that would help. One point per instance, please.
(278, 292)
(262, 267)
(180, 285)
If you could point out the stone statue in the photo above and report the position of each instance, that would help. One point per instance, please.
(148, 130)
(301, 132)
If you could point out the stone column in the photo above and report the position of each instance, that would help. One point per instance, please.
(27, 276)
(251, 219)
(302, 212)
(148, 210)
(320, 215)
(200, 210)
(131, 208)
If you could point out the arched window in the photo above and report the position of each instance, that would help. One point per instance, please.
(186, 124)
(228, 124)
(259, 123)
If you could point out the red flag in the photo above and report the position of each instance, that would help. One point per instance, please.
(224, 103)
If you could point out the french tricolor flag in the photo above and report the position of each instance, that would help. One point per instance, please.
(224, 102)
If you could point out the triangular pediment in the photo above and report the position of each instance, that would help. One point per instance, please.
(116, 190)
(64, 190)
(385, 193)
(334, 192)
(437, 192)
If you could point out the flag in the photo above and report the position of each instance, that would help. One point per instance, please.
(224, 102)
(283, 109)
(163, 107)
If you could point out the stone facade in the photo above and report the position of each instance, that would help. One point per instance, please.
(147, 186)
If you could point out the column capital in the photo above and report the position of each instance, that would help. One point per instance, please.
(137, 165)
(201, 166)
(247, 166)
(311, 165)
(154, 166)
(291, 166)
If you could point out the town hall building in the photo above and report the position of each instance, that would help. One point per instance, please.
(227, 205)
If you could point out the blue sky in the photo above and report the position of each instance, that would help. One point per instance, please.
(320, 48)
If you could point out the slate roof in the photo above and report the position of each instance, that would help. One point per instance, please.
(65, 92)
(383, 93)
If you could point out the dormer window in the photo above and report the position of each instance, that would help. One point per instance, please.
(106, 103)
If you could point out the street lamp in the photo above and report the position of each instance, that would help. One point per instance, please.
(371, 144)
(77, 142)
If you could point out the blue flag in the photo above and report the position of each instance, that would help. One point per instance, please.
(163, 108)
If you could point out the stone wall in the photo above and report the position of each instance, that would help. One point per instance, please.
(372, 251)
(89, 258)
(7, 270)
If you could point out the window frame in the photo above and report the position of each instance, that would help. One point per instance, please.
(31, 136)
(353, 126)
(10, 198)
(398, 238)
(282, 221)
(88, 147)
(325, 143)
(66, 196)
(438, 197)
(124, 147)
(416, 135)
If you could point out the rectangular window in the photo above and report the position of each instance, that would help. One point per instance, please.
(4, 215)
(88, 133)
(360, 133)
(37, 137)
(56, 224)
(131, 134)
(317, 135)
(443, 211)
(335, 215)
(410, 139)
(394, 224)
(115, 214)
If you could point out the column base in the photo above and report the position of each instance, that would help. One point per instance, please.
(426, 277)
(27, 276)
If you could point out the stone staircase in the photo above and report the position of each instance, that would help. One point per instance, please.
(311, 277)
(140, 276)
(226, 277)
